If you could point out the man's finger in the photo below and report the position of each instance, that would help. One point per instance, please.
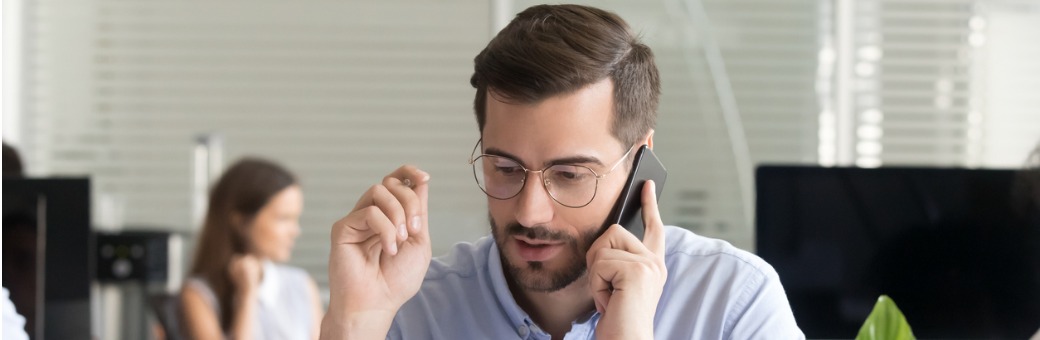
(616, 237)
(653, 233)
(416, 180)
(411, 207)
(392, 207)
(366, 224)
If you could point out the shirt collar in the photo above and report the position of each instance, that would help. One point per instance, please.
(501, 288)
(517, 316)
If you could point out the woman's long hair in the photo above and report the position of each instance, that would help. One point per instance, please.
(233, 204)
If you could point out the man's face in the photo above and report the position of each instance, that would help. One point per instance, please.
(543, 243)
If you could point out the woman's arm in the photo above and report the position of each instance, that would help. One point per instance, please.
(200, 319)
(245, 271)
(244, 313)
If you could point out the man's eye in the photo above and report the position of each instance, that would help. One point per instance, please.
(508, 170)
(570, 174)
(566, 175)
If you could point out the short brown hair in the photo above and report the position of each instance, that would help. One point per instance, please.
(549, 50)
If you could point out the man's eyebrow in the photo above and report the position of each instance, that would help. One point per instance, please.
(564, 160)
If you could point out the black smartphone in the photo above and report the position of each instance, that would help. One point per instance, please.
(628, 210)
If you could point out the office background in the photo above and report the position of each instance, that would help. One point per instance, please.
(344, 92)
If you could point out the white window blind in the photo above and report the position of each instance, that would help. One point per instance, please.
(340, 92)
(943, 83)
(1006, 120)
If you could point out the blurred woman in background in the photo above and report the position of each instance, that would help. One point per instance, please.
(238, 285)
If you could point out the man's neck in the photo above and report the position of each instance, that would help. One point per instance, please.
(555, 311)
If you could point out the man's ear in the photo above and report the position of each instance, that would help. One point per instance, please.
(649, 141)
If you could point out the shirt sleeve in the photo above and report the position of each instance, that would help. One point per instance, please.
(763, 311)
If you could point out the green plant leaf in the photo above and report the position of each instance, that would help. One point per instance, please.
(886, 322)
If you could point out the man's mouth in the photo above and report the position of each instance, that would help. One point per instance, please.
(537, 242)
(532, 250)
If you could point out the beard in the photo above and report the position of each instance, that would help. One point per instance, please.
(536, 277)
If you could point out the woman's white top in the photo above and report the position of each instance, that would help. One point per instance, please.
(284, 310)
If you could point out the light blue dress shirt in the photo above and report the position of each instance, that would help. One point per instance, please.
(713, 291)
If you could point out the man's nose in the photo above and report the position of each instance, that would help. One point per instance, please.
(534, 206)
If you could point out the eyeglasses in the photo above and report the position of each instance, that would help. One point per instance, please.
(570, 185)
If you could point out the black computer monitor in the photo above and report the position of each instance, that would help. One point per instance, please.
(48, 257)
(958, 250)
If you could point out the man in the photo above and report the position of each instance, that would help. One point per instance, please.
(564, 94)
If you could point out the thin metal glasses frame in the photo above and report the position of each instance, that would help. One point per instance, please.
(473, 157)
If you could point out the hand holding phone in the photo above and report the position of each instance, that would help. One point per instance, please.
(628, 210)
